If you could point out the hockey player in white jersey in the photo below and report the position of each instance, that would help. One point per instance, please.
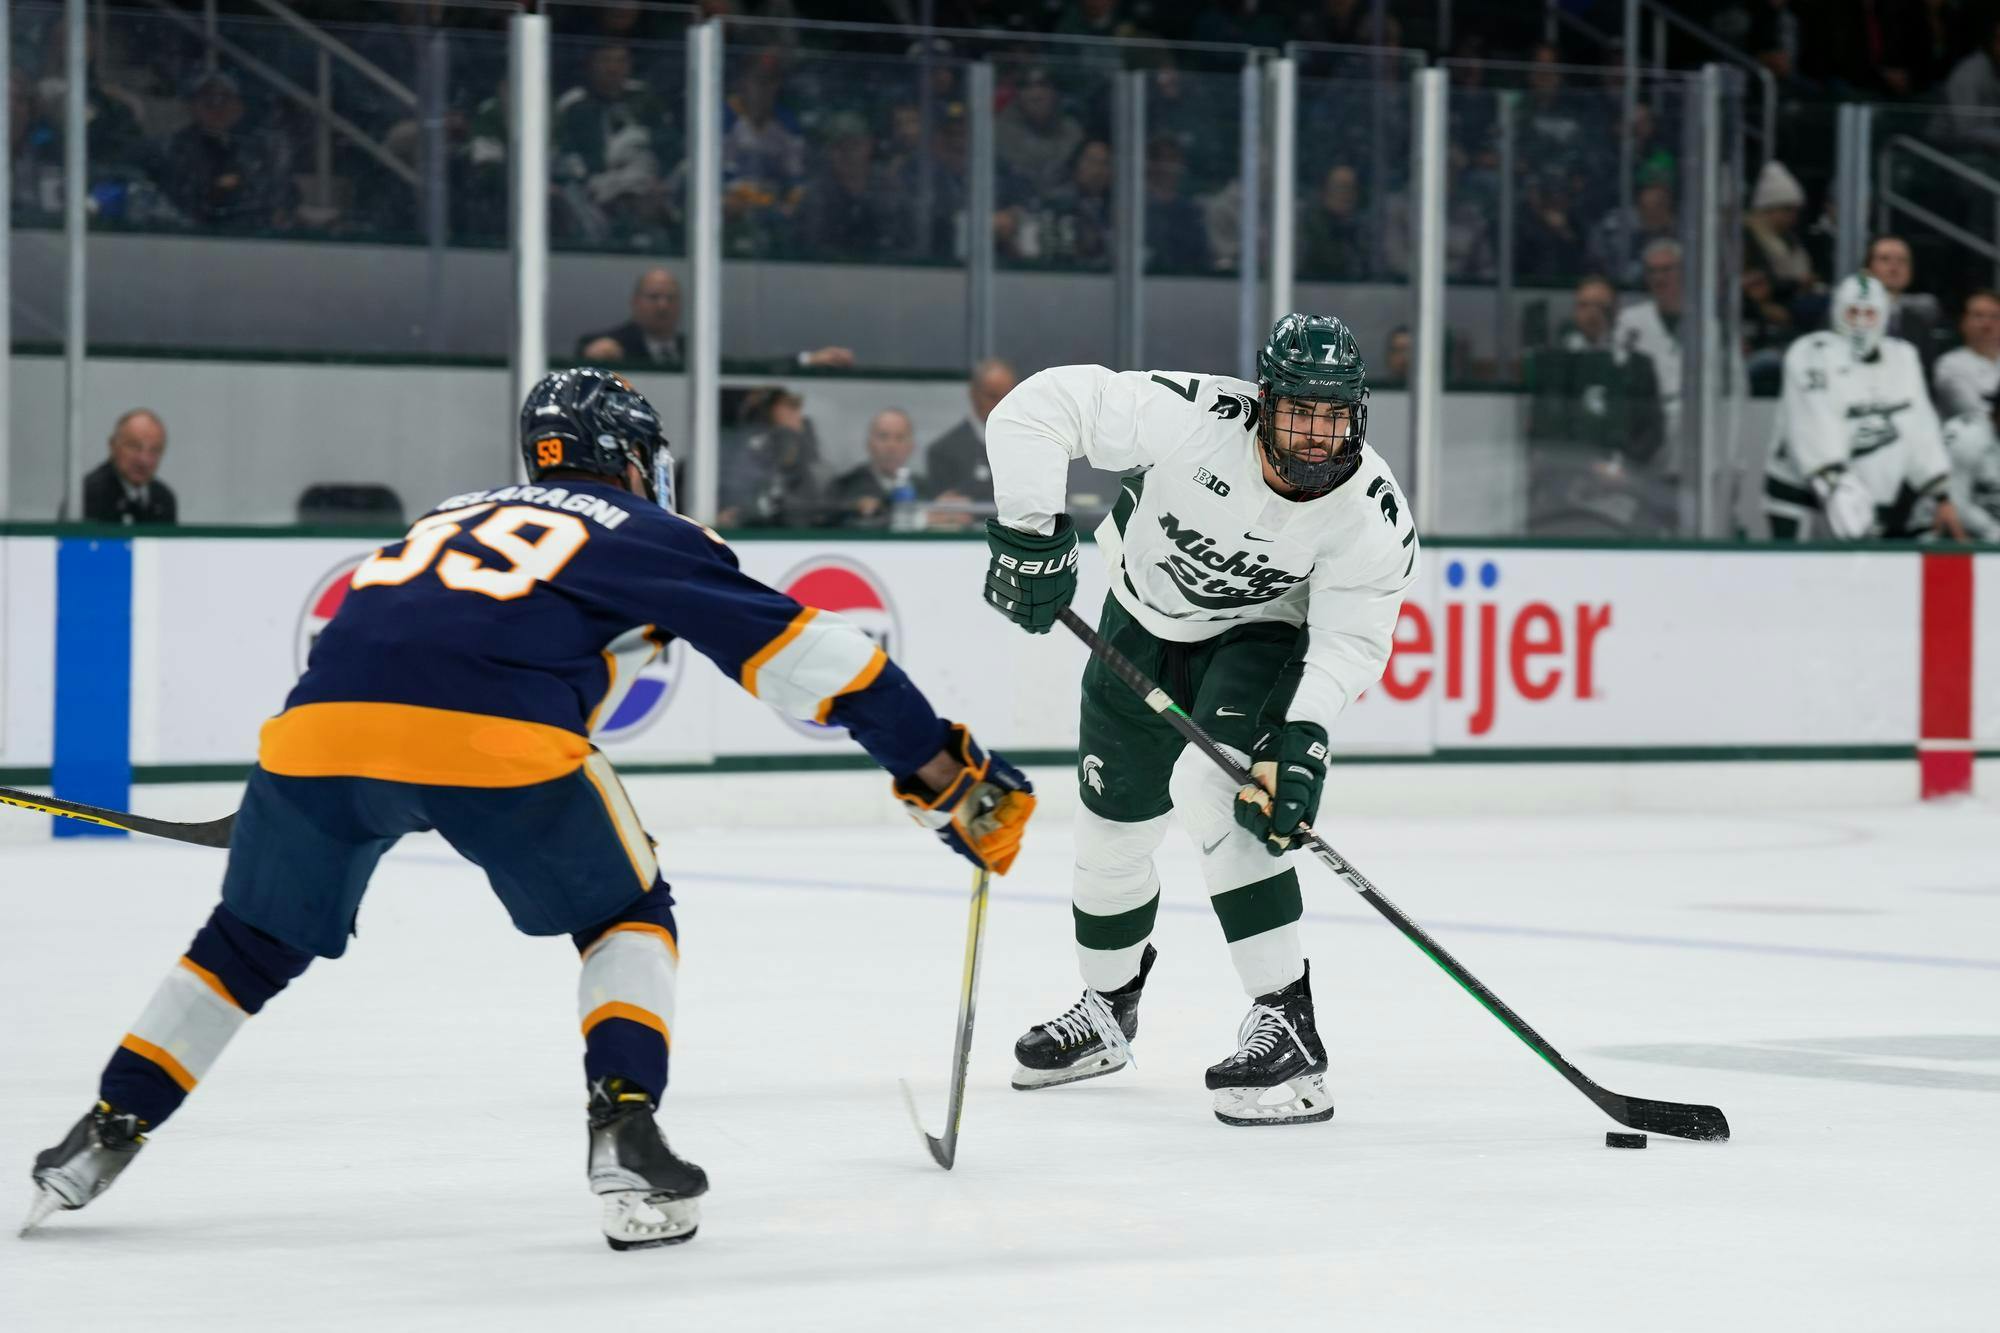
(1856, 440)
(1972, 443)
(1258, 564)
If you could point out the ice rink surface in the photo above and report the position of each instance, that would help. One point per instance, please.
(397, 1142)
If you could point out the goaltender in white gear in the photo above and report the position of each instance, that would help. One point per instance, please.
(1205, 542)
(1856, 442)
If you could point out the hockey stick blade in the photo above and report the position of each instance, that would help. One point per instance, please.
(1676, 1119)
(213, 833)
(1681, 1120)
(941, 1153)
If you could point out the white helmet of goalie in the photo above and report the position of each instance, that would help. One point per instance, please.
(1861, 313)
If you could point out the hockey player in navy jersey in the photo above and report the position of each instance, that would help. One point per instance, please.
(457, 690)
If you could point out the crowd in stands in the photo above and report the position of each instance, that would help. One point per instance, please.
(854, 147)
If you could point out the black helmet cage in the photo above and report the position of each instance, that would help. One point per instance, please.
(592, 421)
(1314, 477)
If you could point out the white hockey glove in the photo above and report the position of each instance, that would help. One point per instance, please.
(1849, 509)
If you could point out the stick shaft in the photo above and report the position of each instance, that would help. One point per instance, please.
(214, 833)
(968, 1001)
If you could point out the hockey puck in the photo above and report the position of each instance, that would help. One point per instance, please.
(1615, 1140)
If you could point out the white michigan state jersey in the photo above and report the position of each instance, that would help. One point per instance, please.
(1873, 418)
(1199, 542)
(1974, 450)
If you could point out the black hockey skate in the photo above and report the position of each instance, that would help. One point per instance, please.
(650, 1195)
(1278, 1074)
(1072, 1047)
(81, 1167)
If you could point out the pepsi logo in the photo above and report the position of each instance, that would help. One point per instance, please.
(852, 591)
(322, 604)
(647, 700)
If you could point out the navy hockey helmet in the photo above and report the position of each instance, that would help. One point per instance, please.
(1310, 360)
(593, 421)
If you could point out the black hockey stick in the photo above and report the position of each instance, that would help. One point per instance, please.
(1679, 1119)
(215, 833)
(944, 1151)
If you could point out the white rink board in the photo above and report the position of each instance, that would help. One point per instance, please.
(1525, 650)
(1659, 648)
(1565, 648)
(27, 650)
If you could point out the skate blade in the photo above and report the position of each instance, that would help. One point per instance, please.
(46, 1202)
(1097, 1066)
(1299, 1101)
(639, 1220)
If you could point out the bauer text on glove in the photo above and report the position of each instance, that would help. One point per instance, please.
(1029, 577)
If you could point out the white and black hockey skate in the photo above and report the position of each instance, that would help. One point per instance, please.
(1079, 1043)
(92, 1155)
(651, 1197)
(1278, 1074)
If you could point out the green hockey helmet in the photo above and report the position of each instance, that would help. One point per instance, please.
(1310, 360)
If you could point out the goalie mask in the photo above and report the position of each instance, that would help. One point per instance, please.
(593, 421)
(1861, 314)
(1314, 393)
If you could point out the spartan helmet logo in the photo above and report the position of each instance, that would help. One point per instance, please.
(1235, 407)
(1092, 776)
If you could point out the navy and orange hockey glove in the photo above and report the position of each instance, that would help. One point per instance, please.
(982, 813)
(1289, 765)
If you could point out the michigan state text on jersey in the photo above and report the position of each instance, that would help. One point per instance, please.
(456, 690)
(1259, 556)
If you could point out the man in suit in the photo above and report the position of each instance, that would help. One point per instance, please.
(652, 337)
(955, 462)
(866, 496)
(126, 489)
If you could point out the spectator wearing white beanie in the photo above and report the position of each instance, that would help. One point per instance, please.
(1772, 233)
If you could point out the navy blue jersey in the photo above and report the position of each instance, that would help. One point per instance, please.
(483, 648)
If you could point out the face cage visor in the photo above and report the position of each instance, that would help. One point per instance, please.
(1323, 449)
(662, 477)
(1863, 325)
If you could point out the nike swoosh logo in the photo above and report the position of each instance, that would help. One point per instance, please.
(1253, 537)
(1229, 712)
(1208, 848)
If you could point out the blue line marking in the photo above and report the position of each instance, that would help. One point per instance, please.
(92, 760)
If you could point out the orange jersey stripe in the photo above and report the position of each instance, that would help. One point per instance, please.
(631, 1013)
(862, 680)
(213, 982)
(666, 936)
(145, 1050)
(407, 743)
(776, 646)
